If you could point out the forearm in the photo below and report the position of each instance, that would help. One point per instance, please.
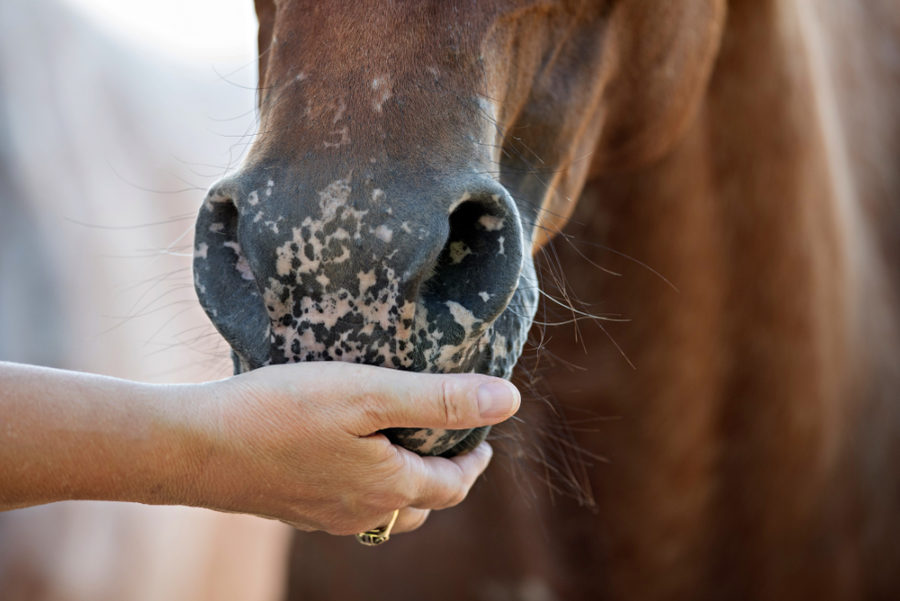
(68, 435)
(291, 442)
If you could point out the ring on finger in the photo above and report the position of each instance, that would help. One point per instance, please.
(377, 536)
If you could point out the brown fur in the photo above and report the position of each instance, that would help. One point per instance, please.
(749, 156)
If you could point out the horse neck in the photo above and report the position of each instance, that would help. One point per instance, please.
(751, 220)
(753, 384)
(801, 127)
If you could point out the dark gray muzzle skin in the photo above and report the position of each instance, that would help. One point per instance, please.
(420, 272)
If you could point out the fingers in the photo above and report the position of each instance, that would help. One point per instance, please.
(443, 483)
(332, 413)
(446, 482)
(448, 401)
(409, 519)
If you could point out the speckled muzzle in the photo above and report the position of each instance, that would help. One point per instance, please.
(423, 273)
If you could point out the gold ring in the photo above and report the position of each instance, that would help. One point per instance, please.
(376, 536)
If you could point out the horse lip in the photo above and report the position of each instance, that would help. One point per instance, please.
(475, 437)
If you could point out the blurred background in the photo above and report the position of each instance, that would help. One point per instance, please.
(114, 119)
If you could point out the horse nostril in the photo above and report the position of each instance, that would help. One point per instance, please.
(479, 266)
(223, 278)
(220, 218)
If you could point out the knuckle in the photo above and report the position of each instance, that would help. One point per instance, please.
(452, 412)
(457, 496)
(372, 517)
(406, 492)
(389, 462)
(357, 526)
(484, 460)
(338, 524)
(349, 528)
(395, 469)
(397, 500)
(419, 521)
(372, 410)
(388, 501)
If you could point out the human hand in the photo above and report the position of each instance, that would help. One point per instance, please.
(299, 443)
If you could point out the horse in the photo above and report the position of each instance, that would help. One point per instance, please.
(712, 188)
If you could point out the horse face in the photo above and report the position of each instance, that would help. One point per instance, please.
(411, 158)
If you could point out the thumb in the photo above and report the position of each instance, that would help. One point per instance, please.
(396, 399)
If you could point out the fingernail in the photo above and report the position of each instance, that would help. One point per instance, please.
(497, 399)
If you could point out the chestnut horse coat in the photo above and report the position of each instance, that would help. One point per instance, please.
(737, 437)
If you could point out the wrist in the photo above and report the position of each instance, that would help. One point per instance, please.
(185, 430)
(152, 448)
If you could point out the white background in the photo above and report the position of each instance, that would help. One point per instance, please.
(199, 30)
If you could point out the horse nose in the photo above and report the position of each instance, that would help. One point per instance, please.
(223, 280)
(366, 275)
(478, 268)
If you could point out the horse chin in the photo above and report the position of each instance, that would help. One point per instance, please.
(443, 443)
